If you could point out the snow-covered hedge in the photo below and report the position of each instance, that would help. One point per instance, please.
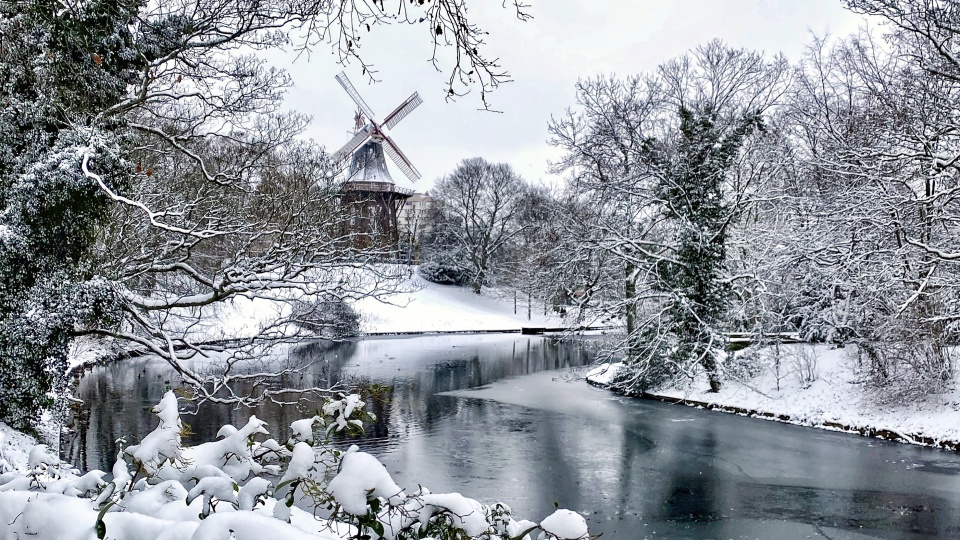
(445, 271)
(327, 317)
(246, 486)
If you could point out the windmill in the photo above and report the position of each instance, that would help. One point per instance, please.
(368, 189)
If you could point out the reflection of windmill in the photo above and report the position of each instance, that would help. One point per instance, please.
(369, 191)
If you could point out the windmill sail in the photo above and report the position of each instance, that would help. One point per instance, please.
(370, 142)
(401, 160)
(354, 95)
(344, 152)
(402, 111)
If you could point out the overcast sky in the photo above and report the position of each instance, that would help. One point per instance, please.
(566, 40)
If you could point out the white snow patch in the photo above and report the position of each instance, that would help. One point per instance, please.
(361, 476)
(565, 525)
(603, 374)
(430, 307)
(15, 448)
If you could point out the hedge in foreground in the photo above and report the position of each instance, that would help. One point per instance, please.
(240, 488)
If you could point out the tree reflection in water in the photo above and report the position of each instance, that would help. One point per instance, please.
(399, 377)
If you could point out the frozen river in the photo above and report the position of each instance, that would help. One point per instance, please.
(501, 418)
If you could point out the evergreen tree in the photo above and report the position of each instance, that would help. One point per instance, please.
(61, 67)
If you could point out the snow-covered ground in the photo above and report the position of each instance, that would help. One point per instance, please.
(821, 386)
(417, 306)
(430, 307)
(14, 448)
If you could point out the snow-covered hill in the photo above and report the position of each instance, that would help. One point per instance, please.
(429, 307)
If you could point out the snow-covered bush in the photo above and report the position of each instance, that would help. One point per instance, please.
(326, 317)
(804, 365)
(445, 271)
(745, 364)
(903, 367)
(651, 365)
(247, 486)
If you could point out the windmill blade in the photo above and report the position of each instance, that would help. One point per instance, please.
(403, 110)
(354, 95)
(401, 160)
(344, 152)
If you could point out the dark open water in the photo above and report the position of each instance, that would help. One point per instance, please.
(499, 418)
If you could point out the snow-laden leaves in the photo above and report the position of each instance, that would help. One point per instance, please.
(232, 489)
(362, 477)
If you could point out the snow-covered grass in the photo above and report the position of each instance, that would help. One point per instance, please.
(819, 386)
(417, 305)
(423, 306)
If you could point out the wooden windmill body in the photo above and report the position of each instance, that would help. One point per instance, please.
(368, 191)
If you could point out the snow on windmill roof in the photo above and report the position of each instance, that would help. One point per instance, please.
(368, 164)
(370, 144)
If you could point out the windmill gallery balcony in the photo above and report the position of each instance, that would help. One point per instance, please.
(375, 187)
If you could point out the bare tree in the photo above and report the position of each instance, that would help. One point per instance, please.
(606, 144)
(879, 139)
(625, 150)
(216, 204)
(483, 199)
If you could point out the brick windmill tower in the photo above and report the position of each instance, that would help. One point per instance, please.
(368, 192)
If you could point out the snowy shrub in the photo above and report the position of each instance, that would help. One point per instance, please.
(905, 367)
(803, 362)
(327, 317)
(744, 365)
(247, 486)
(651, 362)
(445, 271)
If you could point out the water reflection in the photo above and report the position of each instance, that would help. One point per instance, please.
(638, 469)
(117, 398)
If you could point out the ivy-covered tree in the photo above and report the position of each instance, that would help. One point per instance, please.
(62, 65)
(691, 187)
(659, 162)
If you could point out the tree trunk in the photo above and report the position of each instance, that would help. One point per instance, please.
(714, 380)
(478, 281)
(630, 292)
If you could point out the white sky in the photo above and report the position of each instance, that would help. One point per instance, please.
(565, 40)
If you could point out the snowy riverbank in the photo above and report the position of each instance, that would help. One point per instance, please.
(417, 306)
(819, 386)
